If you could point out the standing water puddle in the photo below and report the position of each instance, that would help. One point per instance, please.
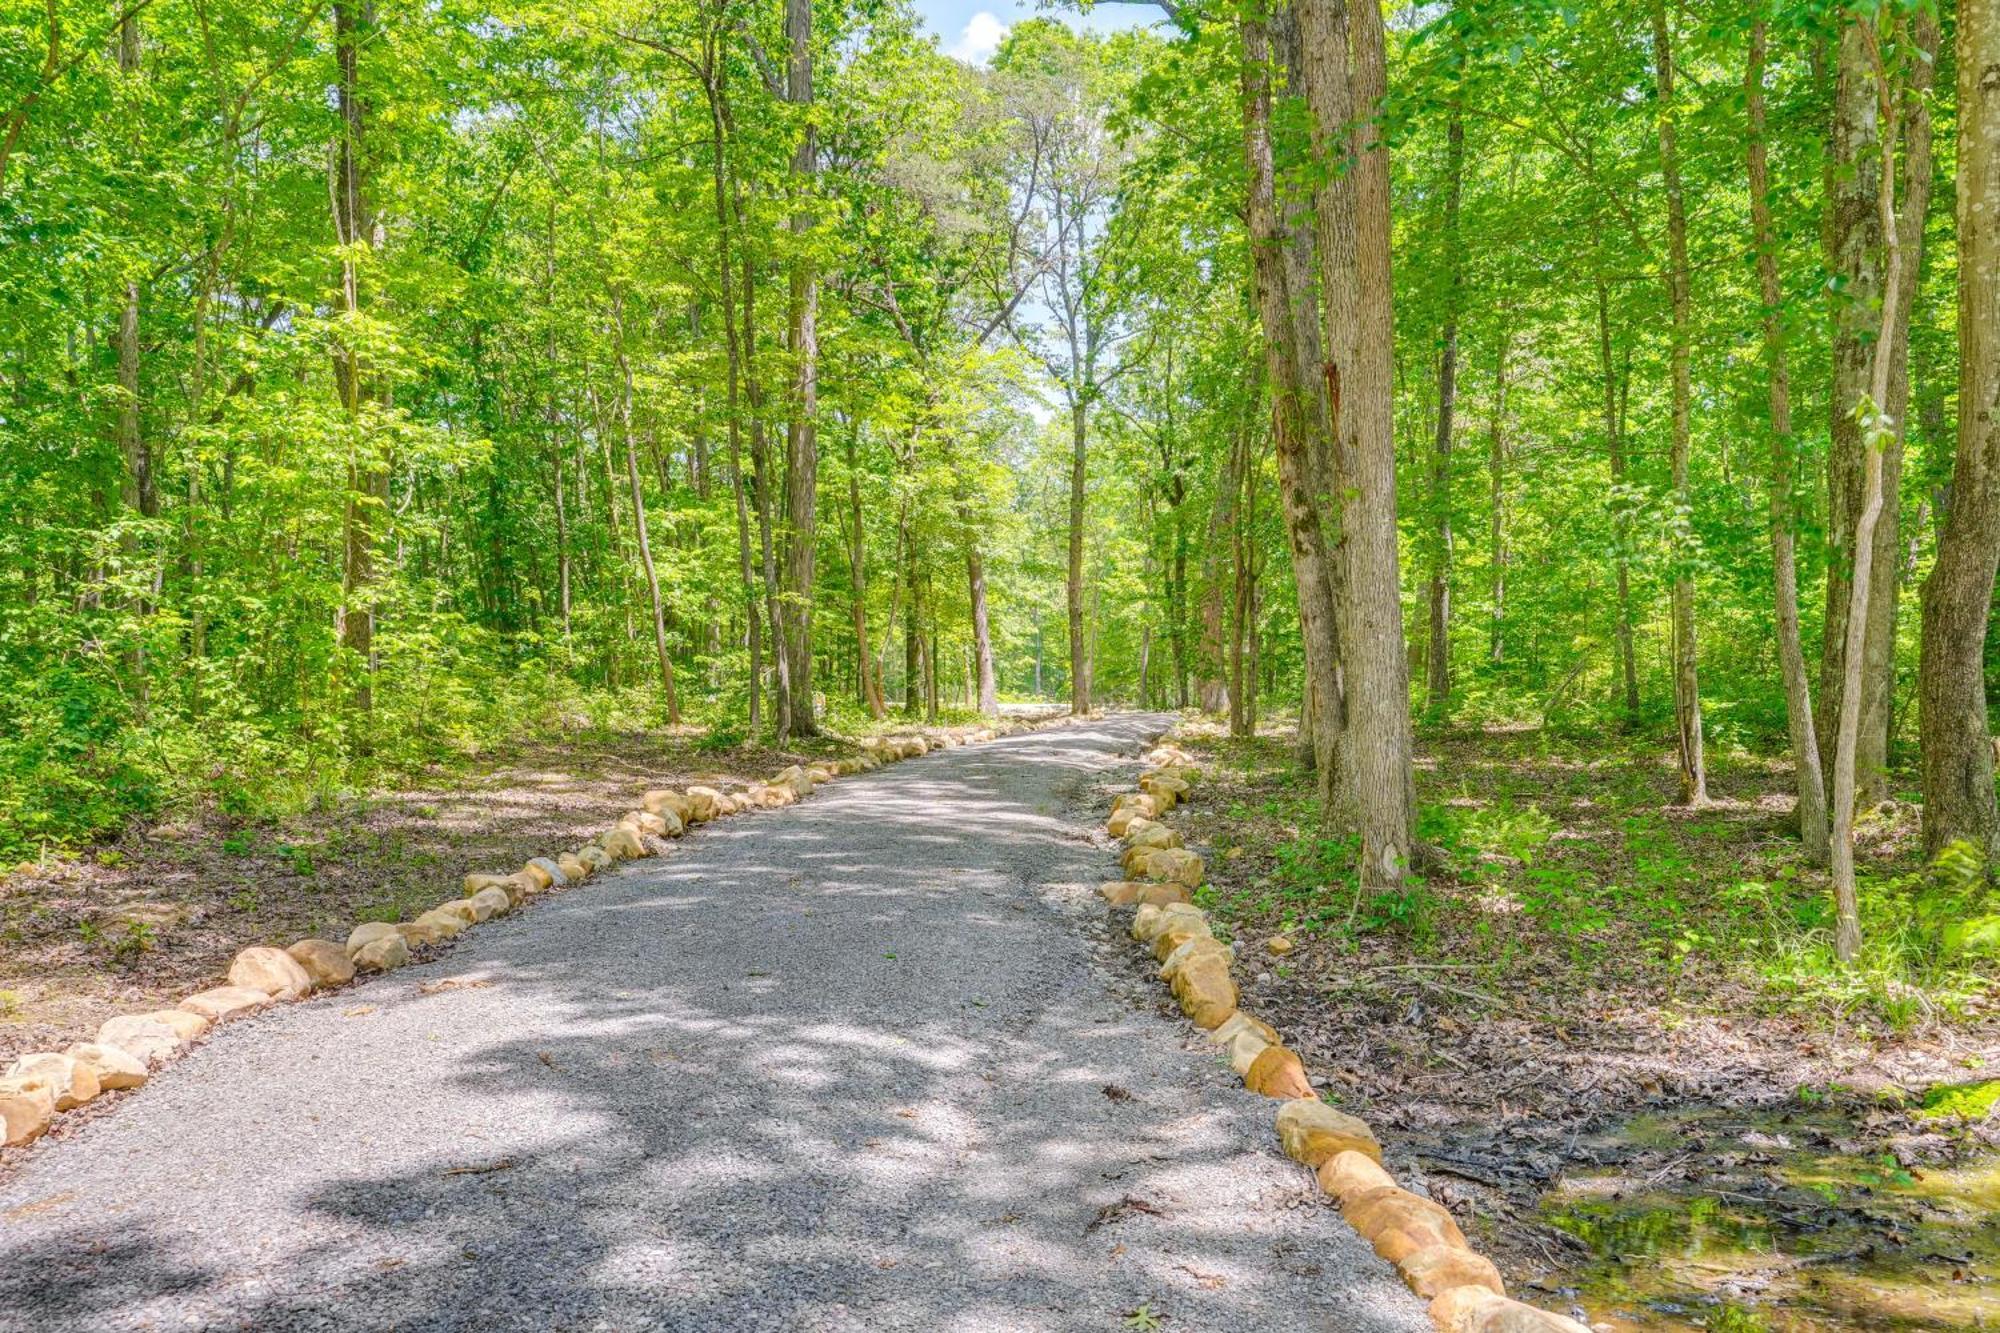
(1768, 1222)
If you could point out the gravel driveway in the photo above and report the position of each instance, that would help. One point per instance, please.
(871, 1062)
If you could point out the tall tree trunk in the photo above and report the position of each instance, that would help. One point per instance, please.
(624, 368)
(1687, 691)
(1438, 651)
(368, 481)
(1958, 596)
(725, 217)
(1854, 243)
(801, 429)
(857, 570)
(1496, 488)
(1287, 315)
(1877, 431)
(1079, 666)
(762, 485)
(1614, 436)
(1810, 783)
(982, 636)
(1346, 79)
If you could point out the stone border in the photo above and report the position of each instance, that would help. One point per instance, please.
(128, 1048)
(1415, 1234)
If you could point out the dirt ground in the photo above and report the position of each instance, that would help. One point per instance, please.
(1495, 1030)
(140, 923)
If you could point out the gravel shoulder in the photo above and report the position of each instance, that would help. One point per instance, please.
(850, 1065)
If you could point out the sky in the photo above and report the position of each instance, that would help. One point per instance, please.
(971, 29)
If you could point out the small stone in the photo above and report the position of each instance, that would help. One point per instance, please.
(459, 908)
(540, 875)
(368, 932)
(519, 886)
(558, 877)
(1244, 1048)
(25, 1112)
(69, 1080)
(1279, 945)
(592, 857)
(1278, 1072)
(115, 1068)
(1436, 1269)
(475, 882)
(1188, 948)
(222, 1003)
(272, 971)
(1121, 892)
(1314, 1133)
(424, 932)
(573, 867)
(324, 961)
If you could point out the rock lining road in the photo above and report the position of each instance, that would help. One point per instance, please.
(850, 1065)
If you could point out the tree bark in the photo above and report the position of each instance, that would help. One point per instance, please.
(1808, 778)
(1958, 596)
(1346, 78)
(1687, 690)
(1437, 657)
(801, 429)
(1854, 239)
(1286, 314)
(982, 635)
(1496, 507)
(624, 368)
(1079, 666)
(1614, 436)
(368, 482)
(857, 567)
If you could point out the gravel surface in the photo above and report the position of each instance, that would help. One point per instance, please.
(872, 1062)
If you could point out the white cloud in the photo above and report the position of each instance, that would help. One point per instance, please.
(981, 38)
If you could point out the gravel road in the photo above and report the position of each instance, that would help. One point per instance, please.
(872, 1062)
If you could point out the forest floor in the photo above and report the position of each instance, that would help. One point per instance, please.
(1606, 1027)
(139, 923)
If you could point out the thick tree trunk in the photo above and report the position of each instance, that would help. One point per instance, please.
(761, 494)
(1854, 243)
(1958, 596)
(1286, 312)
(1687, 690)
(801, 430)
(1346, 75)
(1079, 665)
(1877, 431)
(1810, 783)
(1438, 652)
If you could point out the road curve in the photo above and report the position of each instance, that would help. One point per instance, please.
(850, 1065)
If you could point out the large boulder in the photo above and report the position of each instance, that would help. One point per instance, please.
(426, 931)
(592, 857)
(543, 876)
(272, 971)
(324, 961)
(1398, 1224)
(70, 1081)
(1244, 1048)
(1278, 1072)
(144, 1038)
(25, 1112)
(1205, 990)
(643, 822)
(475, 882)
(797, 779)
(701, 804)
(219, 1004)
(573, 867)
(489, 903)
(1175, 865)
(1177, 932)
(1190, 947)
(1149, 921)
(461, 909)
(1150, 833)
(518, 887)
(115, 1068)
(1436, 1269)
(622, 844)
(185, 1022)
(377, 946)
(1242, 1022)
(1476, 1309)
(663, 799)
(1121, 892)
(1314, 1133)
